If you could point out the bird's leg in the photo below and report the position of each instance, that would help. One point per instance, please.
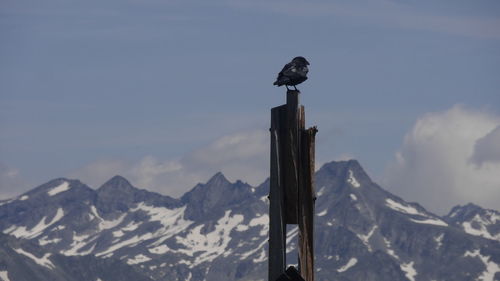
(287, 87)
(295, 88)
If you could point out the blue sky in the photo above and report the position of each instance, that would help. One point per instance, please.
(167, 93)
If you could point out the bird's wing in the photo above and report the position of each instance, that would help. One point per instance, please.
(283, 71)
(288, 70)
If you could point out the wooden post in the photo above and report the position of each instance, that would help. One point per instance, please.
(307, 197)
(291, 193)
(290, 159)
(277, 224)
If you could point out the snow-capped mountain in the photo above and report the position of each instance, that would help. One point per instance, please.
(219, 231)
(476, 221)
(22, 260)
(370, 234)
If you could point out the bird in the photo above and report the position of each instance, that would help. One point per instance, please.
(293, 73)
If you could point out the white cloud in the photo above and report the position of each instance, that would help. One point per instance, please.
(11, 182)
(149, 168)
(239, 156)
(437, 164)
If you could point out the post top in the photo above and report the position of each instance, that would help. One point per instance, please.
(292, 97)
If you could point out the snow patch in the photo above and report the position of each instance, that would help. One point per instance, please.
(6, 201)
(489, 219)
(353, 197)
(4, 275)
(131, 226)
(491, 267)
(43, 261)
(262, 221)
(106, 224)
(210, 245)
(390, 251)
(244, 256)
(321, 191)
(160, 250)
(352, 262)
(431, 221)
(439, 241)
(409, 270)
(129, 242)
(24, 197)
(140, 258)
(59, 227)
(290, 247)
(410, 210)
(9, 229)
(45, 240)
(322, 213)
(172, 221)
(366, 238)
(352, 180)
(242, 227)
(23, 232)
(79, 242)
(87, 252)
(261, 258)
(493, 216)
(60, 188)
(454, 214)
(107, 255)
(292, 233)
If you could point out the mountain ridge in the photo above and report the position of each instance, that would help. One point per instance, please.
(218, 230)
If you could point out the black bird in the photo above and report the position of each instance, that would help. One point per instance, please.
(293, 73)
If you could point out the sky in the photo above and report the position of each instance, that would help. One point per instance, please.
(167, 93)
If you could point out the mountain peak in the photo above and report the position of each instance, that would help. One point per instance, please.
(476, 220)
(464, 210)
(218, 179)
(57, 187)
(119, 179)
(117, 183)
(472, 206)
(214, 196)
(55, 182)
(116, 194)
(343, 164)
(350, 171)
